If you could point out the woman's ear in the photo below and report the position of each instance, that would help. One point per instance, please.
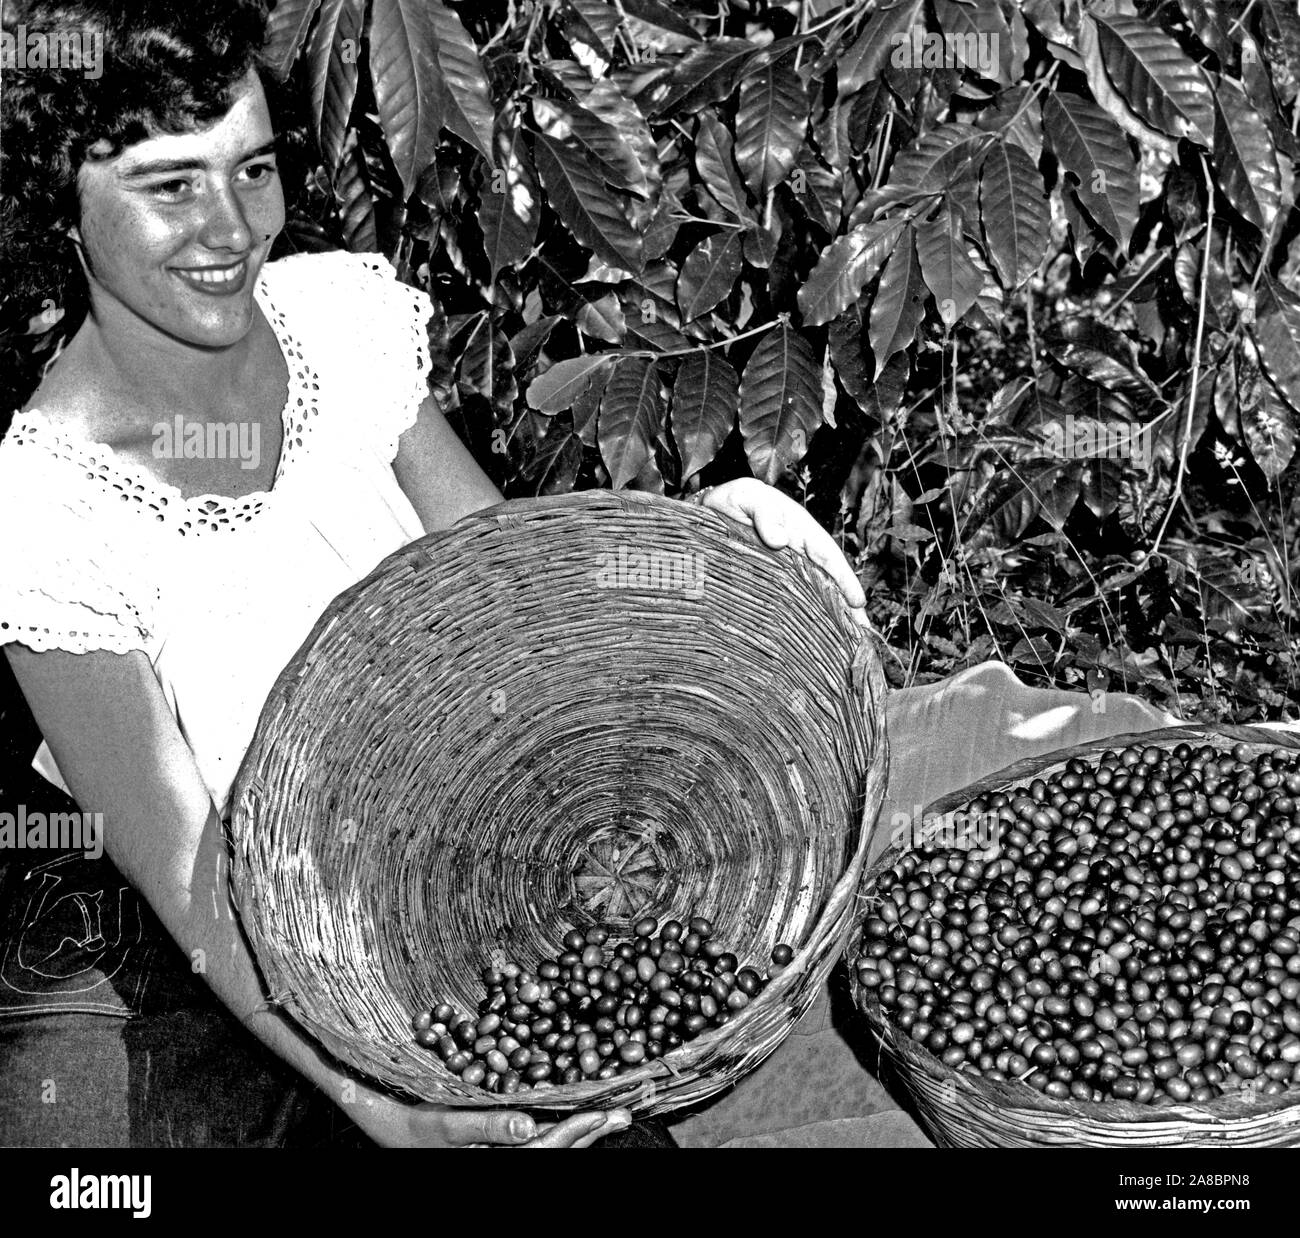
(73, 233)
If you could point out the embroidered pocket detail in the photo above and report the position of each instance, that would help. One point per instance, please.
(75, 940)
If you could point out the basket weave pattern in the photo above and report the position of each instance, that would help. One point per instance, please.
(962, 1110)
(525, 723)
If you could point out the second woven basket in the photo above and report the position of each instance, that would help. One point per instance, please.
(559, 712)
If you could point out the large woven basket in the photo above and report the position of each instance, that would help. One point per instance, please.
(502, 715)
(961, 1110)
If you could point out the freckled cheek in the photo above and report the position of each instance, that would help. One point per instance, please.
(128, 242)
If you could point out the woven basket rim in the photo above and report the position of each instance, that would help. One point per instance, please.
(1019, 1097)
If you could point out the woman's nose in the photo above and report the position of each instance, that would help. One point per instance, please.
(225, 225)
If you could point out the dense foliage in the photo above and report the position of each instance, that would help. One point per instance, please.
(1004, 290)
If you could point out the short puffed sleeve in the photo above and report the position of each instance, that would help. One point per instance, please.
(73, 571)
(364, 332)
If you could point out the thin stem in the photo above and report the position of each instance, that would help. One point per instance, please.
(682, 217)
(1185, 449)
(1032, 330)
(883, 145)
(684, 352)
(506, 28)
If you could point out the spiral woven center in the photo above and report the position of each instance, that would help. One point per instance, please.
(621, 873)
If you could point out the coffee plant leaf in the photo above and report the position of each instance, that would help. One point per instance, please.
(1095, 151)
(715, 162)
(1087, 399)
(770, 121)
(352, 196)
(286, 32)
(709, 274)
(1087, 237)
(866, 114)
(602, 319)
(1048, 18)
(831, 137)
(1244, 157)
(1279, 31)
(991, 302)
(899, 303)
(557, 388)
(333, 75)
(867, 56)
(631, 418)
(1016, 498)
(1166, 89)
(949, 273)
(649, 330)
(552, 464)
(1099, 487)
(586, 406)
(662, 230)
(1277, 330)
(759, 244)
(937, 158)
(509, 203)
(1014, 213)
(487, 368)
(1220, 309)
(845, 343)
(822, 192)
(706, 74)
(706, 396)
(589, 30)
(780, 402)
(658, 27)
(595, 140)
(978, 25)
(528, 340)
(1205, 17)
(1268, 425)
(1226, 405)
(605, 101)
(845, 267)
(581, 199)
(1099, 354)
(468, 111)
(1017, 116)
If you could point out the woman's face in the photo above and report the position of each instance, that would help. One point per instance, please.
(175, 228)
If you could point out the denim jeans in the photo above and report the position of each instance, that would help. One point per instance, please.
(108, 1040)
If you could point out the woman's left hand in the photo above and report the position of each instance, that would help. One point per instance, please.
(780, 521)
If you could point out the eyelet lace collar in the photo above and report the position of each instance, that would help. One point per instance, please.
(201, 512)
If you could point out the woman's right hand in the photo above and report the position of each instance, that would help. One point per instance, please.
(396, 1124)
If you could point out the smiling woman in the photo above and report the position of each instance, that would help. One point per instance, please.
(148, 598)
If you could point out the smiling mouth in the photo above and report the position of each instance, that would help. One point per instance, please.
(215, 277)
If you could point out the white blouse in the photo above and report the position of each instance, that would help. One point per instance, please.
(221, 592)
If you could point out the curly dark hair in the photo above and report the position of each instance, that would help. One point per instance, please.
(168, 66)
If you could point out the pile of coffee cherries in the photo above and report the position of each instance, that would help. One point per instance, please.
(597, 1010)
(1134, 933)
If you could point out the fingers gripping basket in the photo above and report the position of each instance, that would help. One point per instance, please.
(959, 1109)
(559, 712)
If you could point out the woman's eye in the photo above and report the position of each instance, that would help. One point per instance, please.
(171, 189)
(260, 173)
